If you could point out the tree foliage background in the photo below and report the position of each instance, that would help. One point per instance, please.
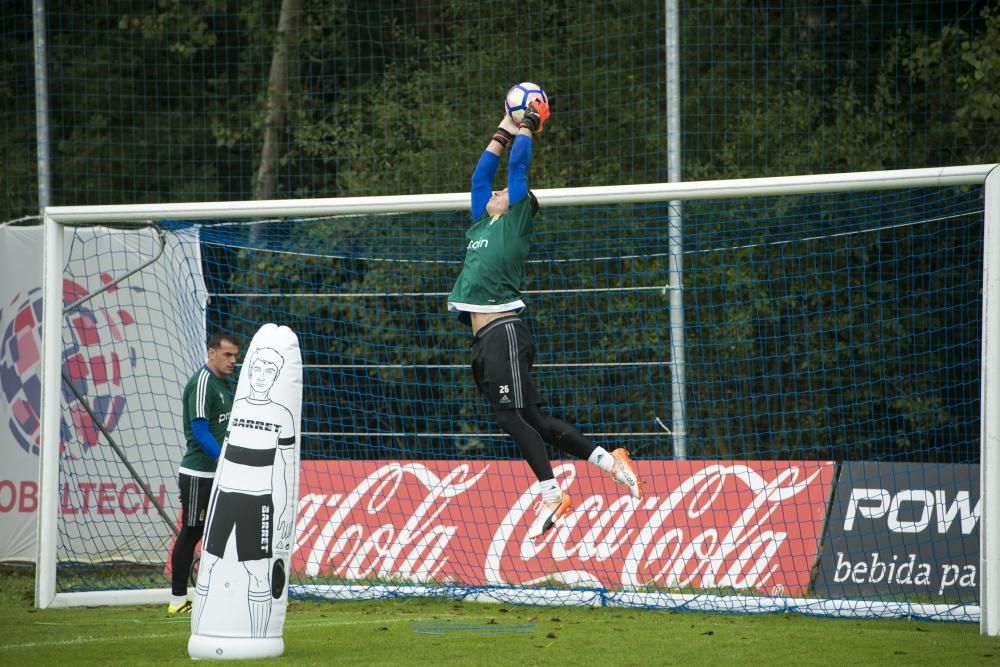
(173, 101)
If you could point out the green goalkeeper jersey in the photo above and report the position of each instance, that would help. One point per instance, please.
(207, 397)
(493, 274)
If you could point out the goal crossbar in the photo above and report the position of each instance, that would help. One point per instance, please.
(614, 194)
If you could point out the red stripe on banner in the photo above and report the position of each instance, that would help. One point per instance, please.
(86, 330)
(749, 526)
(77, 367)
(83, 425)
(27, 351)
(72, 291)
(25, 319)
(116, 366)
(116, 333)
(99, 369)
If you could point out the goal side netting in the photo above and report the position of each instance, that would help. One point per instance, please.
(799, 365)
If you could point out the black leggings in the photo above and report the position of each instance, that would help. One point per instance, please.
(182, 558)
(530, 429)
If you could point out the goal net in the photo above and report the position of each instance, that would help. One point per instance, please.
(795, 364)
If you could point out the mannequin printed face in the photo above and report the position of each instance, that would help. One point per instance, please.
(262, 376)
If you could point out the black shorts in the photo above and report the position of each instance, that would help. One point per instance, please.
(252, 517)
(195, 492)
(503, 352)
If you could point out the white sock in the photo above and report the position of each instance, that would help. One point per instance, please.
(260, 612)
(177, 600)
(601, 458)
(551, 493)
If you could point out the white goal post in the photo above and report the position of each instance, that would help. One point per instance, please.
(56, 217)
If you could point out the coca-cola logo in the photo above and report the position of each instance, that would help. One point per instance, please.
(748, 526)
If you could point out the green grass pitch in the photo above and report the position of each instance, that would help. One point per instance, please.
(442, 632)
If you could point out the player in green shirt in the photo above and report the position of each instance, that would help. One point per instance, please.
(487, 296)
(208, 400)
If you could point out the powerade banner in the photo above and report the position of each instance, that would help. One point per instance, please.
(899, 529)
(242, 594)
(752, 526)
(125, 353)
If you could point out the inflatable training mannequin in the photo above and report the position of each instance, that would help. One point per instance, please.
(242, 592)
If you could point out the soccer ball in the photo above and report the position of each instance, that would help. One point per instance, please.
(518, 98)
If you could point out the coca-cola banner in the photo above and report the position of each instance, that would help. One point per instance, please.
(903, 530)
(751, 526)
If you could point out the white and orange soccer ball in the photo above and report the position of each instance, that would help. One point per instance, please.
(520, 96)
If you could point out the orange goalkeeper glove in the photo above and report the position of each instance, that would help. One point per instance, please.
(536, 115)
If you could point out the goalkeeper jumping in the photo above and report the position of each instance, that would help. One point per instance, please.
(487, 295)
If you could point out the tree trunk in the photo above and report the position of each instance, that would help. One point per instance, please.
(284, 66)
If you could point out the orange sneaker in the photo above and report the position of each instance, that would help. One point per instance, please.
(548, 516)
(624, 473)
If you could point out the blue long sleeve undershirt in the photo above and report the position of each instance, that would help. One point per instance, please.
(205, 439)
(482, 183)
(517, 172)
